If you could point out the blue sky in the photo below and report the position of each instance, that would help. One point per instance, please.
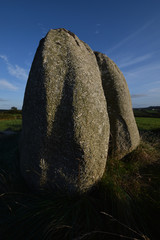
(128, 31)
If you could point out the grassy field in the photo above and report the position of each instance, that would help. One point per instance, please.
(125, 204)
(145, 123)
(10, 120)
(12, 124)
(147, 112)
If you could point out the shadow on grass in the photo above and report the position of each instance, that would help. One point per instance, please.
(124, 205)
(14, 127)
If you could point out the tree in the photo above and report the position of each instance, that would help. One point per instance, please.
(14, 109)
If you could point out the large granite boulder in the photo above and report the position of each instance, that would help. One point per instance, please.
(124, 135)
(65, 131)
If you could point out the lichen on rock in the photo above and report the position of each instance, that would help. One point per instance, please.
(65, 130)
(75, 100)
(124, 135)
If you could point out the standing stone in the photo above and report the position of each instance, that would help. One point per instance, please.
(124, 135)
(65, 131)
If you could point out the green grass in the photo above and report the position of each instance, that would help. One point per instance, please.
(14, 121)
(147, 112)
(144, 123)
(9, 116)
(12, 124)
(10, 120)
(125, 202)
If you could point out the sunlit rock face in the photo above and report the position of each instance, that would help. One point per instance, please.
(124, 135)
(65, 132)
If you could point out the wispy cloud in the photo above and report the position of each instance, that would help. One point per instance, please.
(3, 57)
(131, 36)
(140, 105)
(2, 100)
(5, 85)
(138, 95)
(97, 31)
(155, 90)
(156, 82)
(15, 70)
(43, 28)
(129, 61)
(148, 72)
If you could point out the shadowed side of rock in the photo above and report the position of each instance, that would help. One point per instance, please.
(65, 131)
(124, 135)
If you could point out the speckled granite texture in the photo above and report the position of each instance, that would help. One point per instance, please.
(65, 132)
(124, 135)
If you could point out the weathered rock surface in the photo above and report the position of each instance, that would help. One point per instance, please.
(124, 135)
(65, 130)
